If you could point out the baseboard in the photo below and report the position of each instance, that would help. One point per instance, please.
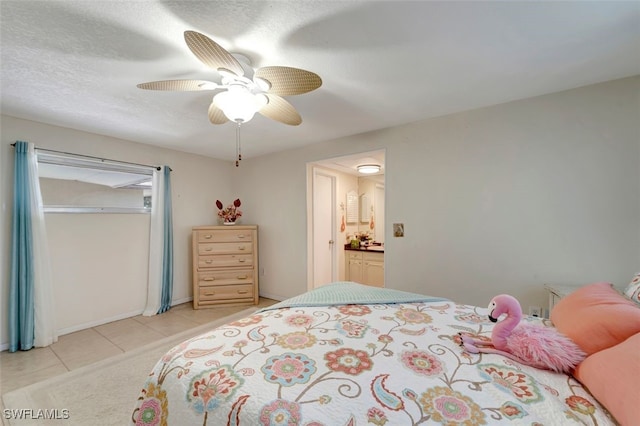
(272, 296)
(181, 301)
(98, 322)
(114, 318)
(67, 330)
(84, 326)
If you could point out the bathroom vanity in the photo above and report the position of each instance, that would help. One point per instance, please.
(365, 265)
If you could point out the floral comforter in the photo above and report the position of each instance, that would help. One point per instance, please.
(355, 364)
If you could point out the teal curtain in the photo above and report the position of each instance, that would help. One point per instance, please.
(167, 247)
(160, 282)
(21, 281)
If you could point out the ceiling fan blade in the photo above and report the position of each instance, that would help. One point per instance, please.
(286, 81)
(211, 53)
(179, 85)
(280, 110)
(216, 116)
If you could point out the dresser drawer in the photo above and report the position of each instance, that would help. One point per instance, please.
(225, 248)
(225, 261)
(224, 292)
(223, 236)
(216, 278)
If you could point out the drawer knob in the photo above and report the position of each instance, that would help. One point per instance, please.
(208, 249)
(210, 293)
(209, 278)
(240, 236)
(208, 236)
(242, 248)
(242, 277)
(243, 291)
(208, 261)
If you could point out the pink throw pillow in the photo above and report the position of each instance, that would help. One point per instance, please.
(612, 377)
(596, 317)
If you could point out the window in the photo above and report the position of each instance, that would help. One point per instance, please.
(72, 183)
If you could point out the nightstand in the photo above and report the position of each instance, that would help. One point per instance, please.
(557, 292)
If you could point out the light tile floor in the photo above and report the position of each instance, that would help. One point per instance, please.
(84, 347)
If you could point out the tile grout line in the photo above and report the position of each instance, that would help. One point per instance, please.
(108, 340)
(64, 364)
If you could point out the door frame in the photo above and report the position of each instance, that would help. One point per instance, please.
(333, 165)
(312, 170)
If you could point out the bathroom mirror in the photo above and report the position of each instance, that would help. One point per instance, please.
(365, 208)
(352, 207)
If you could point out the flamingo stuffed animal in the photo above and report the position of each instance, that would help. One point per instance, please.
(530, 344)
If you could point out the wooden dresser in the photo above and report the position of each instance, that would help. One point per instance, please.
(225, 265)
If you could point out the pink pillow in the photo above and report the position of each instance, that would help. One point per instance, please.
(612, 377)
(596, 317)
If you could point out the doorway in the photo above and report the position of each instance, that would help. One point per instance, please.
(328, 182)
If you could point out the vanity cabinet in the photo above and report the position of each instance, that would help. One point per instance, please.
(365, 267)
(225, 265)
(354, 266)
(373, 269)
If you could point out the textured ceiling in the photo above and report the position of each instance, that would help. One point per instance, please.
(383, 63)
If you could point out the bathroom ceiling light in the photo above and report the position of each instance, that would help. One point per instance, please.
(368, 169)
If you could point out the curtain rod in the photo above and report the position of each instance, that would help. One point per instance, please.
(96, 158)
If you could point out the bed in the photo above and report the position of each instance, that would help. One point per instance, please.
(348, 354)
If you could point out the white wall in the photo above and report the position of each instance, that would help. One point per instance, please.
(99, 262)
(499, 199)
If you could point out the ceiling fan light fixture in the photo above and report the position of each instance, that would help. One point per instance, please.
(263, 84)
(245, 90)
(368, 169)
(238, 103)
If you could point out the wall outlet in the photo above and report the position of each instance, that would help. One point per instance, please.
(535, 311)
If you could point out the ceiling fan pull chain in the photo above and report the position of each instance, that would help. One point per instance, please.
(238, 152)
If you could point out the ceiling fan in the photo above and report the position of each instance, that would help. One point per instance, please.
(244, 91)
